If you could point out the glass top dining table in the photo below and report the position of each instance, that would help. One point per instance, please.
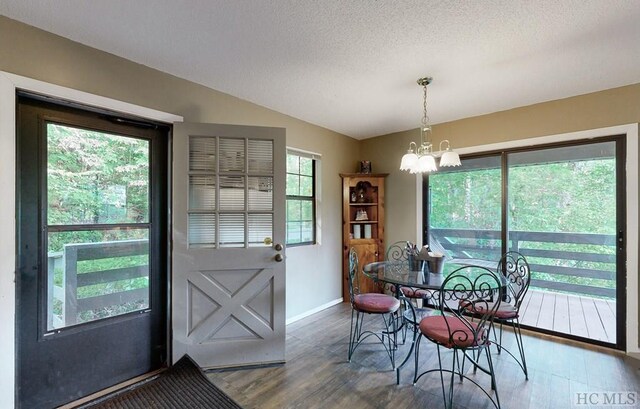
(400, 274)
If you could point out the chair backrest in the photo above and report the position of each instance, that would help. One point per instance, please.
(514, 266)
(470, 288)
(397, 251)
(353, 274)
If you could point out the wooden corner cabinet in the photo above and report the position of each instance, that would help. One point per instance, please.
(362, 225)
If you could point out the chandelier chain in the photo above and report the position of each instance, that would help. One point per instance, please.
(425, 118)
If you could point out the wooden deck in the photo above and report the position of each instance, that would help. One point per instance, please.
(569, 314)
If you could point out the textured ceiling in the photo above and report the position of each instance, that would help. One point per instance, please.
(352, 65)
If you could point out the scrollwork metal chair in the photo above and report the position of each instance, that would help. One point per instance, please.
(515, 268)
(363, 304)
(466, 287)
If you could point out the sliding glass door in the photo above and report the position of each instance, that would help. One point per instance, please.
(562, 206)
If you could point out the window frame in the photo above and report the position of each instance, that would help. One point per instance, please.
(315, 160)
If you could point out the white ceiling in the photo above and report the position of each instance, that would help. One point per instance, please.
(352, 65)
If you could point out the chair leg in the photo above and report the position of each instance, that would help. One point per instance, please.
(353, 333)
(516, 329)
(449, 404)
(493, 377)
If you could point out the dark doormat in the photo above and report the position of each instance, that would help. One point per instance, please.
(184, 385)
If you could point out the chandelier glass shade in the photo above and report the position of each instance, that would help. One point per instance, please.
(421, 159)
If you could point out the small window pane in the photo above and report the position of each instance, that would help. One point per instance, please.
(294, 212)
(232, 155)
(231, 230)
(306, 166)
(293, 185)
(307, 210)
(202, 192)
(202, 230)
(307, 231)
(202, 154)
(306, 186)
(260, 193)
(293, 233)
(231, 193)
(293, 163)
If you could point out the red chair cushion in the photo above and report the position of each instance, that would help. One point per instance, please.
(505, 310)
(376, 303)
(457, 334)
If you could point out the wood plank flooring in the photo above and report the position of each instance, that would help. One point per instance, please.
(569, 314)
(317, 374)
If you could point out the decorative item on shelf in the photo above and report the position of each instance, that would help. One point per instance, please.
(353, 196)
(420, 159)
(367, 231)
(361, 215)
(356, 231)
(365, 166)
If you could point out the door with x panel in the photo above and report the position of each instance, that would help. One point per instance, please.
(228, 285)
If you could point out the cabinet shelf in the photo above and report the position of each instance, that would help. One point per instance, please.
(362, 195)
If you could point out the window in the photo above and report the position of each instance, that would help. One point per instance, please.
(301, 198)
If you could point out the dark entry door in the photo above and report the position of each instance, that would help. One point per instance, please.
(92, 249)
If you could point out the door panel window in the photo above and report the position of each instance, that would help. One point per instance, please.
(230, 200)
(95, 179)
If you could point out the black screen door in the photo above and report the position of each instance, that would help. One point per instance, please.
(92, 280)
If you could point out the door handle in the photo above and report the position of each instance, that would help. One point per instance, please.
(278, 247)
(279, 258)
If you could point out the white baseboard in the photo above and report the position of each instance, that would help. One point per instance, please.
(313, 311)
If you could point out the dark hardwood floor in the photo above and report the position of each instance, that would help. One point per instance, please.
(317, 374)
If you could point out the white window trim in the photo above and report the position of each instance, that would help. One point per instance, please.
(9, 84)
(318, 189)
(631, 132)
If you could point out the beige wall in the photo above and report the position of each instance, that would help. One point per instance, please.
(313, 272)
(616, 106)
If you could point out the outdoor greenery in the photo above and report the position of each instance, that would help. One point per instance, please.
(559, 197)
(300, 199)
(95, 178)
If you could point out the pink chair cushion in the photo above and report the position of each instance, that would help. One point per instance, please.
(456, 334)
(505, 310)
(376, 303)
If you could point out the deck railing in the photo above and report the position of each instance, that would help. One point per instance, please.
(66, 293)
(578, 255)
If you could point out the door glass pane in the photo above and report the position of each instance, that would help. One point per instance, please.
(260, 193)
(260, 156)
(202, 192)
(232, 155)
(231, 192)
(562, 217)
(202, 230)
(202, 154)
(95, 177)
(231, 230)
(260, 227)
(95, 274)
(465, 210)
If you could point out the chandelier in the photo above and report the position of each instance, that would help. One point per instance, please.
(421, 159)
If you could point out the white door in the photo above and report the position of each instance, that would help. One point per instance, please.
(228, 283)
